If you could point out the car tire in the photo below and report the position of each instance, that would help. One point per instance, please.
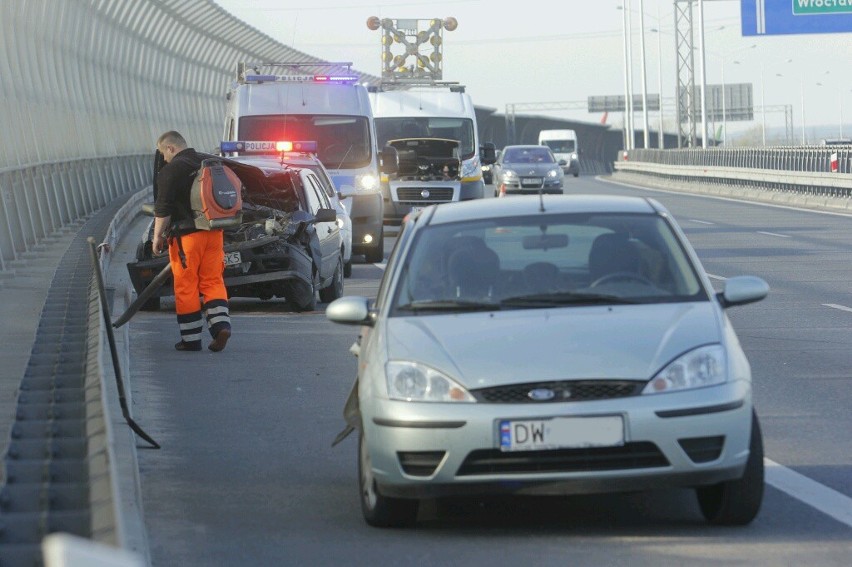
(347, 269)
(737, 502)
(335, 289)
(576, 175)
(381, 511)
(310, 305)
(376, 254)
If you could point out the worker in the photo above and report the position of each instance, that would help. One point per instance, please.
(197, 257)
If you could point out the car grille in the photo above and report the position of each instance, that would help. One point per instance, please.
(703, 449)
(436, 194)
(640, 455)
(564, 391)
(420, 463)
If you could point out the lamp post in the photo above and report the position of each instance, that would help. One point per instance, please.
(703, 74)
(627, 94)
(644, 82)
(661, 139)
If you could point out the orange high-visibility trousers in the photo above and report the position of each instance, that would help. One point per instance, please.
(205, 263)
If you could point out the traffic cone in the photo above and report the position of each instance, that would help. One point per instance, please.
(502, 190)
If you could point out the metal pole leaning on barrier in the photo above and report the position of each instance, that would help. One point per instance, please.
(146, 294)
(111, 337)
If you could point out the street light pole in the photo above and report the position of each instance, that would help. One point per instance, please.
(644, 75)
(804, 138)
(627, 144)
(662, 142)
(631, 133)
(703, 74)
(763, 102)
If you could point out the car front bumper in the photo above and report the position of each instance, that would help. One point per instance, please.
(421, 450)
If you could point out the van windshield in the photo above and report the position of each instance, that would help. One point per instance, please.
(560, 146)
(343, 141)
(397, 128)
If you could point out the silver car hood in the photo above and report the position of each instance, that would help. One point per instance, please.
(491, 349)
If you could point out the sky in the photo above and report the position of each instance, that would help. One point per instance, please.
(527, 51)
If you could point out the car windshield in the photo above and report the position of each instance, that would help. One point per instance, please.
(560, 146)
(535, 154)
(460, 129)
(545, 261)
(343, 141)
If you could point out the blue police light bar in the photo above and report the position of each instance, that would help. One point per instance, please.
(335, 78)
(266, 147)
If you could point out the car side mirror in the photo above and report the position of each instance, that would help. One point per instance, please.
(488, 153)
(341, 196)
(148, 209)
(389, 160)
(351, 310)
(741, 290)
(325, 215)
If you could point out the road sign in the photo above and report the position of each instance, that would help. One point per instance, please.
(615, 103)
(737, 102)
(780, 17)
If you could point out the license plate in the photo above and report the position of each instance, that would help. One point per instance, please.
(233, 259)
(531, 181)
(561, 433)
(415, 209)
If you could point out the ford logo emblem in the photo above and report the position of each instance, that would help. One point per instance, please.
(425, 193)
(541, 394)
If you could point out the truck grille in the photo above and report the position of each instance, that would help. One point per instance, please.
(433, 194)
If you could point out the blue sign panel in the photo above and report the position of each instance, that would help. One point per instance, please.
(779, 17)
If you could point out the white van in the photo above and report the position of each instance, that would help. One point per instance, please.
(332, 110)
(563, 144)
(433, 127)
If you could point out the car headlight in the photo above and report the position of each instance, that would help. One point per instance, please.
(367, 182)
(573, 156)
(486, 168)
(509, 174)
(413, 382)
(553, 173)
(704, 366)
(339, 222)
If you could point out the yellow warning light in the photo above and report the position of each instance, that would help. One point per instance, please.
(435, 40)
(422, 36)
(435, 57)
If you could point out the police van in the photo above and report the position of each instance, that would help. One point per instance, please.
(279, 101)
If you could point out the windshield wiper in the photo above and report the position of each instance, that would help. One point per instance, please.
(565, 298)
(449, 305)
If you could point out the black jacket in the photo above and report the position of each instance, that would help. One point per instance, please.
(174, 183)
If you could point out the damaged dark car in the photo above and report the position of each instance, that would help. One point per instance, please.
(288, 245)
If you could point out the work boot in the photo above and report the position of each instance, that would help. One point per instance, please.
(220, 341)
(191, 345)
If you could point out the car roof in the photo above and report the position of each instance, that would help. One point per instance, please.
(523, 147)
(526, 205)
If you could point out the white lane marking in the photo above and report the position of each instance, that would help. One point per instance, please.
(826, 500)
(713, 277)
(773, 234)
(701, 221)
(835, 306)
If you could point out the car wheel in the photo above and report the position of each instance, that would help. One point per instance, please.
(335, 289)
(380, 511)
(736, 502)
(310, 305)
(347, 269)
(376, 253)
(576, 175)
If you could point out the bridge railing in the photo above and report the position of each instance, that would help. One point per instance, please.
(821, 171)
(38, 201)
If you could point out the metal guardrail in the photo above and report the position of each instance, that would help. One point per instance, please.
(37, 201)
(803, 170)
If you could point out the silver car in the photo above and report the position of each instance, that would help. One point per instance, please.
(551, 344)
(527, 169)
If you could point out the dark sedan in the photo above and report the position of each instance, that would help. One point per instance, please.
(288, 245)
(527, 170)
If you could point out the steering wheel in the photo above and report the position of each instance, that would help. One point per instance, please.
(622, 276)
